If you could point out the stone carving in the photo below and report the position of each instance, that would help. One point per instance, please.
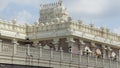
(98, 52)
(87, 50)
(46, 47)
(113, 54)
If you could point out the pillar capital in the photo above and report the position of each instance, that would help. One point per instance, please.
(14, 41)
(39, 45)
(35, 43)
(55, 40)
(70, 40)
(104, 47)
(109, 48)
(81, 42)
(61, 49)
(93, 44)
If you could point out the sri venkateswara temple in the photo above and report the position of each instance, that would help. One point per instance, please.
(57, 41)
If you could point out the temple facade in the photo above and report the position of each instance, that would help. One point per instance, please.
(59, 34)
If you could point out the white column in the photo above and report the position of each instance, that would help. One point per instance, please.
(104, 51)
(61, 53)
(28, 49)
(81, 46)
(93, 49)
(40, 50)
(51, 53)
(104, 54)
(71, 56)
(15, 43)
(0, 45)
(56, 42)
(71, 42)
(109, 52)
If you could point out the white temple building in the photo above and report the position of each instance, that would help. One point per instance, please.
(56, 32)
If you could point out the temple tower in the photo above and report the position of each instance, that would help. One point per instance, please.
(53, 12)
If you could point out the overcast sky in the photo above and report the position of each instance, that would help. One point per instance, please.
(99, 12)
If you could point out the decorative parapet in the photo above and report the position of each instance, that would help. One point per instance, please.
(43, 27)
(90, 29)
(11, 29)
(74, 26)
(12, 26)
(59, 25)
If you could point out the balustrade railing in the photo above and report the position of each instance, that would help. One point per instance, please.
(55, 56)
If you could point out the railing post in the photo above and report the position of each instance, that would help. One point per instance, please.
(51, 53)
(96, 61)
(40, 50)
(80, 58)
(109, 62)
(15, 46)
(61, 56)
(103, 61)
(28, 49)
(88, 61)
(71, 57)
(0, 45)
(51, 56)
(61, 53)
(117, 62)
(39, 53)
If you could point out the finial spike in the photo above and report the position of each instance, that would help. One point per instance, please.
(60, 2)
(41, 6)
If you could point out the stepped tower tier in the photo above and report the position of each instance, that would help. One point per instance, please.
(52, 12)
